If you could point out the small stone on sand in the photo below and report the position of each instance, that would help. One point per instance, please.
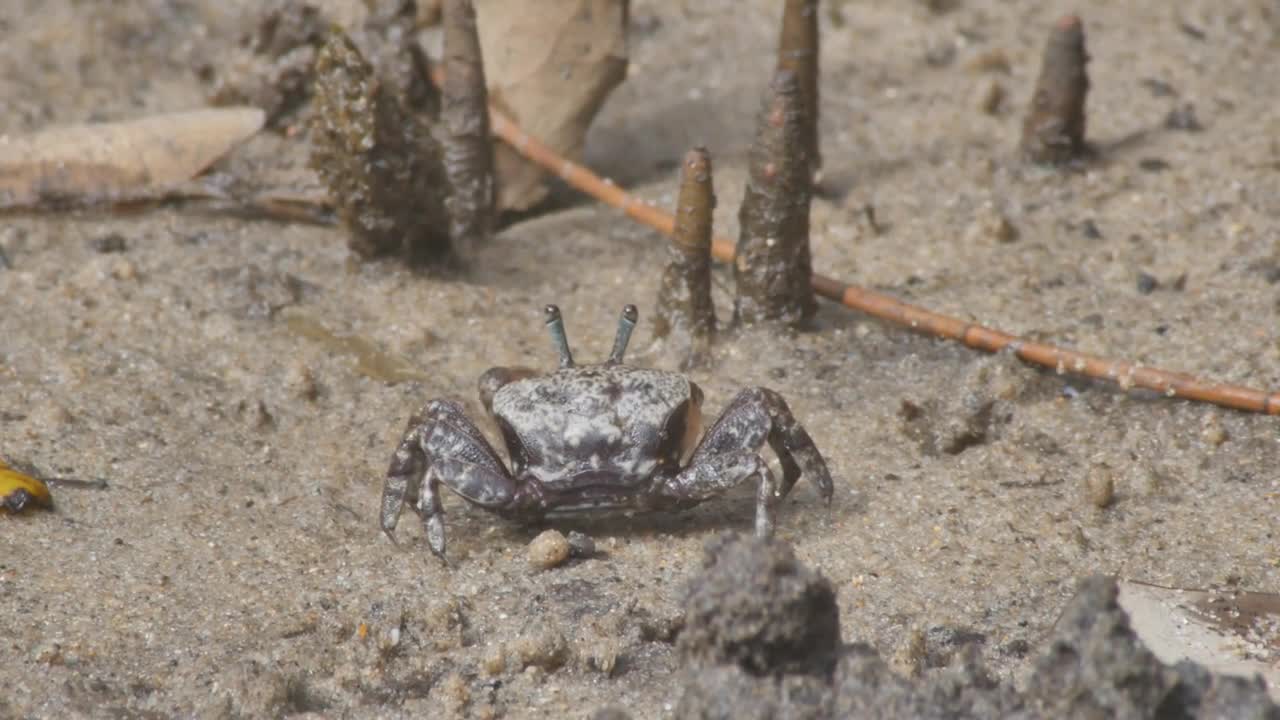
(550, 549)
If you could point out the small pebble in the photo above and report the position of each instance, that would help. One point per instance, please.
(391, 639)
(990, 61)
(550, 549)
(990, 96)
(909, 659)
(1213, 433)
(600, 655)
(256, 415)
(1100, 486)
(1158, 87)
(495, 660)
(122, 269)
(991, 224)
(302, 382)
(1147, 283)
(455, 692)
(1153, 164)
(581, 545)
(545, 649)
(112, 243)
(49, 653)
(1183, 118)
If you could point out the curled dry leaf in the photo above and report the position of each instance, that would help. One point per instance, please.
(550, 66)
(86, 164)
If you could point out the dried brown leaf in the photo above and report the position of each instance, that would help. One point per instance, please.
(1229, 631)
(550, 65)
(84, 164)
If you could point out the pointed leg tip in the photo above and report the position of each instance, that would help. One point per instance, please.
(437, 549)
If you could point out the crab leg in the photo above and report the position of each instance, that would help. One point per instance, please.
(442, 446)
(715, 474)
(759, 414)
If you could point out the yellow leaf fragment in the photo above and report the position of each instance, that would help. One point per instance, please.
(100, 161)
(18, 491)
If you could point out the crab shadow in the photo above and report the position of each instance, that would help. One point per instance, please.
(801, 513)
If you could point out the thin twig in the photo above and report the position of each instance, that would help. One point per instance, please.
(1122, 372)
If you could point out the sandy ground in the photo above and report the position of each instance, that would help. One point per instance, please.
(240, 385)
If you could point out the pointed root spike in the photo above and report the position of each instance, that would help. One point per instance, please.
(772, 268)
(1053, 131)
(684, 298)
(798, 47)
(468, 148)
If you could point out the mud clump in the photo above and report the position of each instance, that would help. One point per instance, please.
(378, 157)
(546, 649)
(761, 640)
(1097, 666)
(866, 687)
(757, 608)
(728, 691)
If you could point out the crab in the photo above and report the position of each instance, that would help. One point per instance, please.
(599, 437)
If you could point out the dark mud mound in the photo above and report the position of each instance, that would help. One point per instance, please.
(761, 640)
(757, 608)
(1096, 667)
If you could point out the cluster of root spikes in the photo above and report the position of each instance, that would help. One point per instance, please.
(771, 259)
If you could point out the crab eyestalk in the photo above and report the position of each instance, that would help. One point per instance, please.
(555, 324)
(626, 323)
